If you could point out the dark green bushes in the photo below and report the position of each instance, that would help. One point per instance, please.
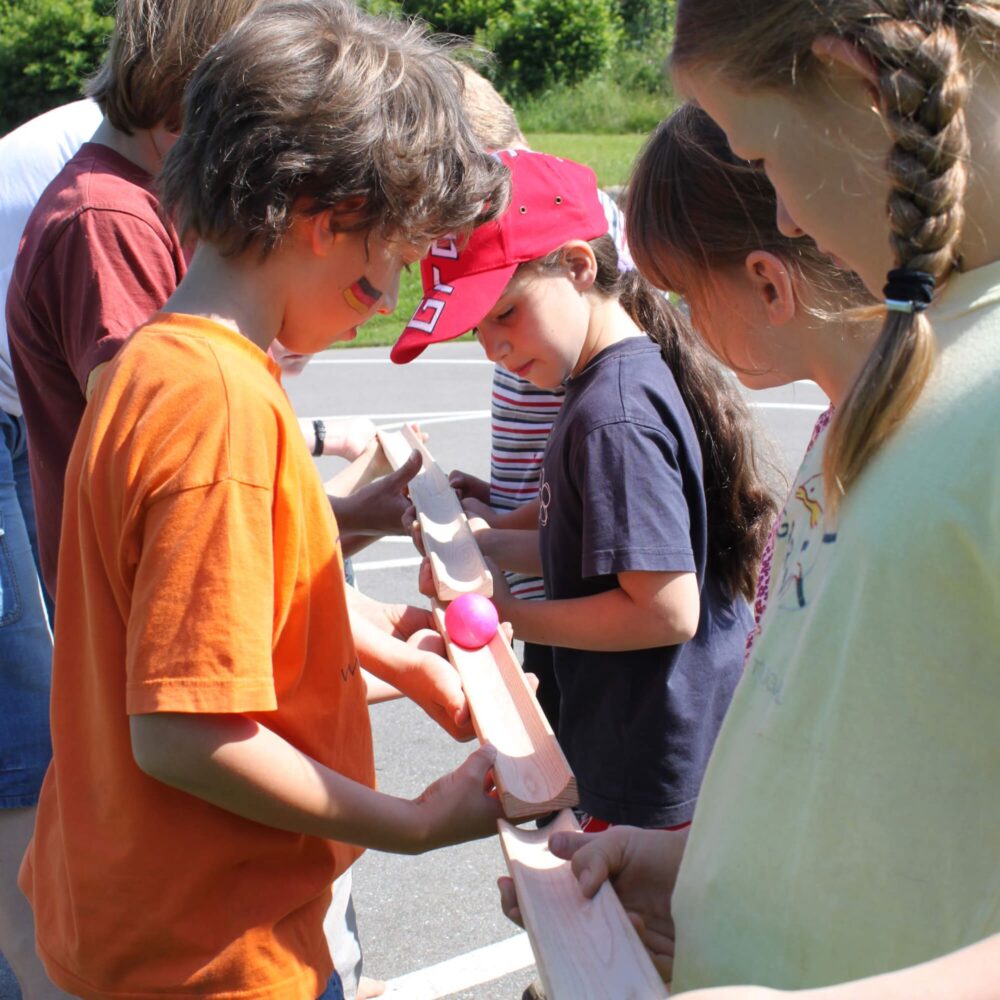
(47, 49)
(566, 65)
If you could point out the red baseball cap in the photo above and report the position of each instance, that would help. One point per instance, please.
(552, 201)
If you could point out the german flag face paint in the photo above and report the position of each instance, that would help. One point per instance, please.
(362, 295)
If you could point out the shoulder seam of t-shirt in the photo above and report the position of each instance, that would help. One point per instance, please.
(667, 550)
(76, 214)
(221, 480)
(657, 427)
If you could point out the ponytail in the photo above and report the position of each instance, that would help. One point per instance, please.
(916, 47)
(924, 88)
(741, 509)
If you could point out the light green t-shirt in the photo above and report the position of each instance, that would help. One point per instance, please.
(849, 821)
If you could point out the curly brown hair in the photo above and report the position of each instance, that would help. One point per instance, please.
(311, 104)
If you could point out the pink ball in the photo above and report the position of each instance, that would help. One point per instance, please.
(471, 620)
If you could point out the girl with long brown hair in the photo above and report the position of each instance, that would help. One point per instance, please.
(771, 307)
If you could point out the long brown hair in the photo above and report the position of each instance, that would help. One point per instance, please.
(694, 207)
(917, 48)
(739, 505)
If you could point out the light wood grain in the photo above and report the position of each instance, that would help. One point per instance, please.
(585, 949)
(456, 562)
(531, 772)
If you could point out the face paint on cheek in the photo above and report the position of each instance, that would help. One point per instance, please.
(362, 295)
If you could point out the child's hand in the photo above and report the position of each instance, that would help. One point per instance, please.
(411, 527)
(641, 865)
(435, 686)
(469, 487)
(479, 511)
(425, 579)
(462, 805)
(398, 643)
(378, 508)
(502, 599)
(348, 437)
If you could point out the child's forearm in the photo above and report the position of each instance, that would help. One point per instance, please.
(512, 549)
(400, 645)
(969, 974)
(612, 621)
(346, 437)
(243, 767)
(379, 690)
(524, 517)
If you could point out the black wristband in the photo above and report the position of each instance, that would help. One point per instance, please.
(319, 430)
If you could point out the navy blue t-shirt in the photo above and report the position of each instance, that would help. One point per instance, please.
(622, 490)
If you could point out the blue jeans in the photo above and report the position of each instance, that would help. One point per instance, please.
(25, 638)
(333, 989)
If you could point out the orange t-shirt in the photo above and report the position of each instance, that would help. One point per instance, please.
(200, 571)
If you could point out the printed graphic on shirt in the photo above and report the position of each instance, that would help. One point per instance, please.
(766, 559)
(545, 501)
(801, 536)
(346, 673)
(362, 295)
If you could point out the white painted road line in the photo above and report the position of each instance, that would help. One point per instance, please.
(386, 564)
(468, 415)
(388, 421)
(808, 407)
(402, 416)
(472, 969)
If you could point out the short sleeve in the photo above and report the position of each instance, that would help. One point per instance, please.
(118, 270)
(635, 514)
(200, 626)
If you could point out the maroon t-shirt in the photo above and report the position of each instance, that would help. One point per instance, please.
(97, 258)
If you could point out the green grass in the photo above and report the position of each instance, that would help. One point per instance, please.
(380, 331)
(611, 158)
(598, 105)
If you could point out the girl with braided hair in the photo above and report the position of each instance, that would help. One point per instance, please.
(845, 841)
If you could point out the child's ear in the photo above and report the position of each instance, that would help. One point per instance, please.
(579, 260)
(772, 285)
(842, 56)
(325, 228)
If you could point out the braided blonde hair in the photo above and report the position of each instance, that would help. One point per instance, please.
(917, 48)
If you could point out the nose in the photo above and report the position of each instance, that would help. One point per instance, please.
(786, 224)
(390, 297)
(495, 346)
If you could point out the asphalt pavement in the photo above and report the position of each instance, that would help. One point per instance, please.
(432, 925)
(419, 916)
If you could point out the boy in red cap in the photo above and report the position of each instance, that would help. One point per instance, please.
(647, 617)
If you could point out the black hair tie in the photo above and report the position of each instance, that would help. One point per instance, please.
(908, 290)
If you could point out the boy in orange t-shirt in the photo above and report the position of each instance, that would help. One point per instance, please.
(212, 770)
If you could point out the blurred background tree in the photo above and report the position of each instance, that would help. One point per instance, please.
(576, 66)
(48, 48)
